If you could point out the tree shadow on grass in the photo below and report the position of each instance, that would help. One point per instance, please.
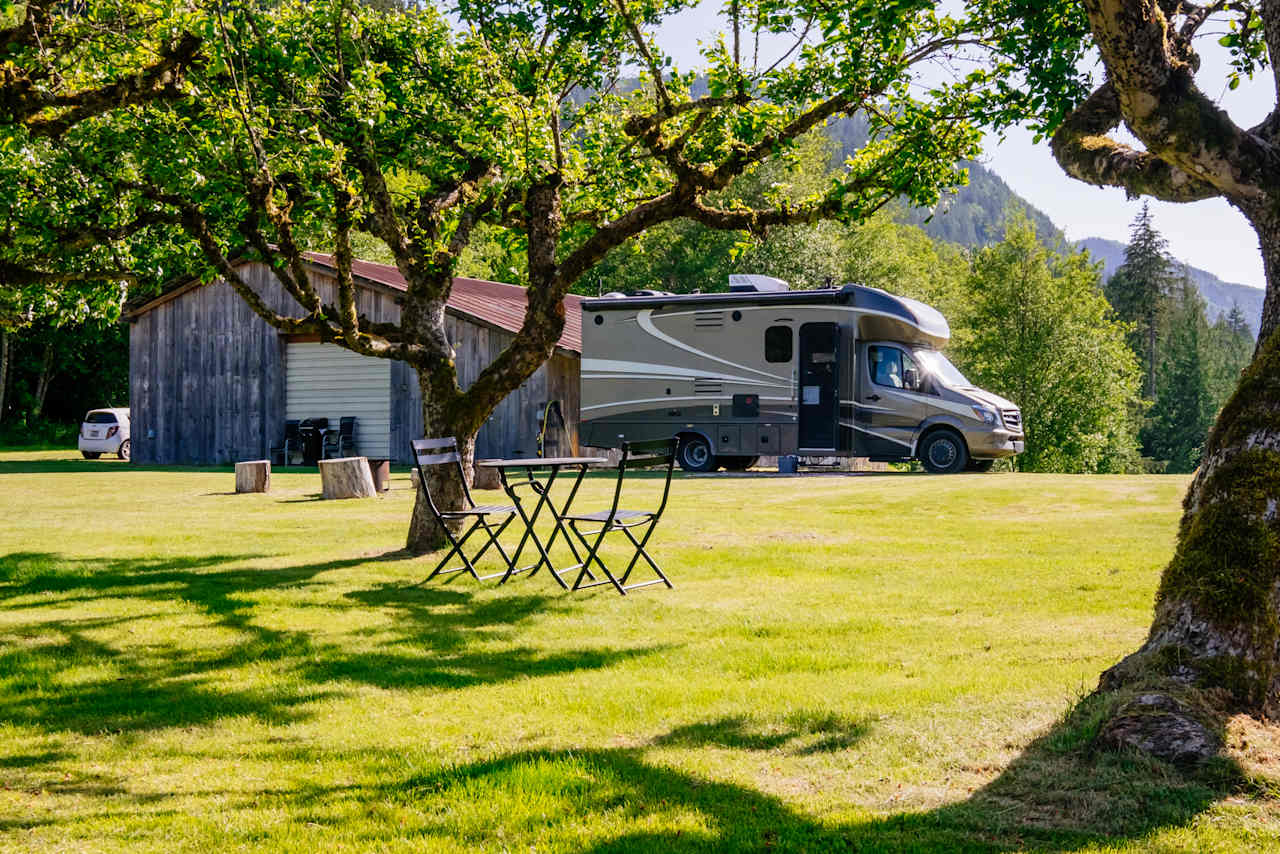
(95, 674)
(1057, 795)
(800, 733)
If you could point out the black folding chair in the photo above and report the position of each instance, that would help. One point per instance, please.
(343, 442)
(292, 443)
(661, 452)
(437, 452)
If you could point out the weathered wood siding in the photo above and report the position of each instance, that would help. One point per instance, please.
(207, 378)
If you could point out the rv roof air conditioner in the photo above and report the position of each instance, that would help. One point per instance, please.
(755, 283)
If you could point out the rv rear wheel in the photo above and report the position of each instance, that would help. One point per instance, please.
(943, 452)
(695, 454)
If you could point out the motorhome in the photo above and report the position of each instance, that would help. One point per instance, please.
(766, 371)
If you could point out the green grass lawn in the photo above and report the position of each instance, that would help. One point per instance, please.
(845, 663)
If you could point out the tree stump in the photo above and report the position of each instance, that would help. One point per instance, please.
(346, 477)
(380, 470)
(486, 478)
(253, 476)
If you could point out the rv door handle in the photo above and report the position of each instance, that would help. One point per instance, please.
(873, 397)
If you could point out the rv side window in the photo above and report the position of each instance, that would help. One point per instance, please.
(894, 368)
(777, 344)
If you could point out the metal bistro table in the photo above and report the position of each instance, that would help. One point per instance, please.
(543, 490)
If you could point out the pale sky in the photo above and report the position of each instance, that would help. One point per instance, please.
(1210, 234)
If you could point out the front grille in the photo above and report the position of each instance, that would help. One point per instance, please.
(1012, 418)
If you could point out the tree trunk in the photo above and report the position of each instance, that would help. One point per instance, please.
(5, 343)
(447, 491)
(1268, 231)
(1214, 644)
(42, 384)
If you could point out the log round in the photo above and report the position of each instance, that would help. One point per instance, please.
(486, 478)
(346, 477)
(253, 476)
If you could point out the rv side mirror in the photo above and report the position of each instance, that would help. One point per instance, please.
(911, 379)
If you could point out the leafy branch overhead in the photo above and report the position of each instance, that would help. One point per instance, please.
(564, 123)
(62, 66)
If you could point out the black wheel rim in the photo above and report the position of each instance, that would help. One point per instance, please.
(942, 453)
(696, 454)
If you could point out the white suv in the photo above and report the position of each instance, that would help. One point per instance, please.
(105, 431)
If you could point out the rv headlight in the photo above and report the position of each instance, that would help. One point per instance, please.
(986, 416)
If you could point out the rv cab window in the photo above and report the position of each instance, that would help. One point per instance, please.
(777, 344)
(892, 367)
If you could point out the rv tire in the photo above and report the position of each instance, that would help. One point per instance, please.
(695, 454)
(943, 452)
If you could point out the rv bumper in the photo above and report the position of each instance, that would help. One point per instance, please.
(996, 444)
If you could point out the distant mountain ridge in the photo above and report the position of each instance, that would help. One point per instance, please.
(974, 216)
(1218, 294)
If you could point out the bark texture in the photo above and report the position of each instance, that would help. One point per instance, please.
(347, 477)
(253, 476)
(1214, 644)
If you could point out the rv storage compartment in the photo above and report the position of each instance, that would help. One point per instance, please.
(727, 440)
(766, 444)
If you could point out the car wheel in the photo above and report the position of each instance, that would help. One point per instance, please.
(943, 452)
(124, 451)
(980, 465)
(695, 454)
(738, 463)
(91, 455)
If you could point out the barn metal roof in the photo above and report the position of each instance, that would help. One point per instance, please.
(493, 303)
(496, 303)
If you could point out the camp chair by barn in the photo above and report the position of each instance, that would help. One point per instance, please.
(437, 452)
(291, 444)
(343, 442)
(635, 455)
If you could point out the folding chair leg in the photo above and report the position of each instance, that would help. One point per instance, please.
(641, 553)
(457, 549)
(593, 550)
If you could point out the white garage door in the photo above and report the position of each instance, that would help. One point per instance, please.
(328, 381)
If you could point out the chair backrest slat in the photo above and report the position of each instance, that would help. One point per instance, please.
(425, 444)
(437, 459)
(435, 452)
(663, 447)
(647, 461)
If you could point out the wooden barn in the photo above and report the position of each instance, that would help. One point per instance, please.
(210, 382)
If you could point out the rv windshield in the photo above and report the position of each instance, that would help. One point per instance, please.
(940, 366)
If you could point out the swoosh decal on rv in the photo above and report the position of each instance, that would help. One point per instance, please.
(644, 318)
(874, 433)
(705, 398)
(651, 370)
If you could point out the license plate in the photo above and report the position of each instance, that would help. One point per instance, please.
(93, 434)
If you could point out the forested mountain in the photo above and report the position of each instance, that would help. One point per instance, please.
(1219, 295)
(974, 216)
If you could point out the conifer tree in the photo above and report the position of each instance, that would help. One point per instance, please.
(1179, 421)
(1139, 290)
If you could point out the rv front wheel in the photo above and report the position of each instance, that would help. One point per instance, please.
(943, 452)
(695, 454)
